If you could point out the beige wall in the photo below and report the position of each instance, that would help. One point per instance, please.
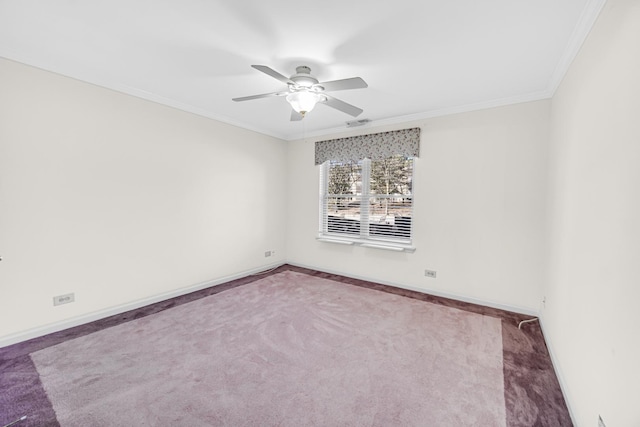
(591, 315)
(480, 192)
(119, 199)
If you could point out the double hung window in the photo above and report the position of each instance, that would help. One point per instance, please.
(368, 199)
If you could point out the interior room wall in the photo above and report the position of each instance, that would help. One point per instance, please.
(480, 192)
(117, 199)
(590, 315)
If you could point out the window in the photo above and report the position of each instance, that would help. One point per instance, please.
(369, 202)
(366, 189)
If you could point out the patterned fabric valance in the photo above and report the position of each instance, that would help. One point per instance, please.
(374, 146)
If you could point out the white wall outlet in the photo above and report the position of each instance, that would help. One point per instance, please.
(267, 254)
(430, 273)
(64, 299)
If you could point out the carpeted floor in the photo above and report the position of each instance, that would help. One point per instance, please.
(291, 347)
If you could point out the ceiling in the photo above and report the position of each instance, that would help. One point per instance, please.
(420, 58)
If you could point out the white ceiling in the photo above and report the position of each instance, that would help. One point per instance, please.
(421, 58)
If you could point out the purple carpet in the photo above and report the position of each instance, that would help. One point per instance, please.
(293, 347)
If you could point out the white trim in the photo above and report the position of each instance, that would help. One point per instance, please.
(385, 247)
(366, 243)
(101, 314)
(338, 241)
(582, 29)
(588, 17)
(82, 77)
(486, 303)
(127, 90)
(580, 32)
(404, 120)
(564, 386)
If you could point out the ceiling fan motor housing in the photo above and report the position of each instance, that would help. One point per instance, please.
(303, 77)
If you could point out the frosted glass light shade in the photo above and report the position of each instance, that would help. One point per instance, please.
(303, 101)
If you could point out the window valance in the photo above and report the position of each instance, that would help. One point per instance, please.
(374, 146)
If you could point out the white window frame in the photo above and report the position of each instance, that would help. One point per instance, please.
(364, 238)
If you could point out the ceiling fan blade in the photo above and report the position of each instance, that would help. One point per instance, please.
(342, 106)
(295, 116)
(344, 84)
(263, 95)
(273, 73)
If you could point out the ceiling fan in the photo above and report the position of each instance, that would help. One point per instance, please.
(304, 91)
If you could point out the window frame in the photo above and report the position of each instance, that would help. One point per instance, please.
(364, 237)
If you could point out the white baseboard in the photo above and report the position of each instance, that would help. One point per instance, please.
(101, 314)
(520, 310)
(558, 371)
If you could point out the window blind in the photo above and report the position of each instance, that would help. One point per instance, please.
(367, 200)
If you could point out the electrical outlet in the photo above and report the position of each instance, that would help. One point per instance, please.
(64, 299)
(430, 273)
(267, 254)
(600, 422)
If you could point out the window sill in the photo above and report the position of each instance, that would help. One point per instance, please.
(374, 244)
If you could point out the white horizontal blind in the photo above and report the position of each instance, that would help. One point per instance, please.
(367, 200)
(341, 198)
(390, 217)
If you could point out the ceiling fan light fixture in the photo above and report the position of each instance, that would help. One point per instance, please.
(303, 101)
(304, 91)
